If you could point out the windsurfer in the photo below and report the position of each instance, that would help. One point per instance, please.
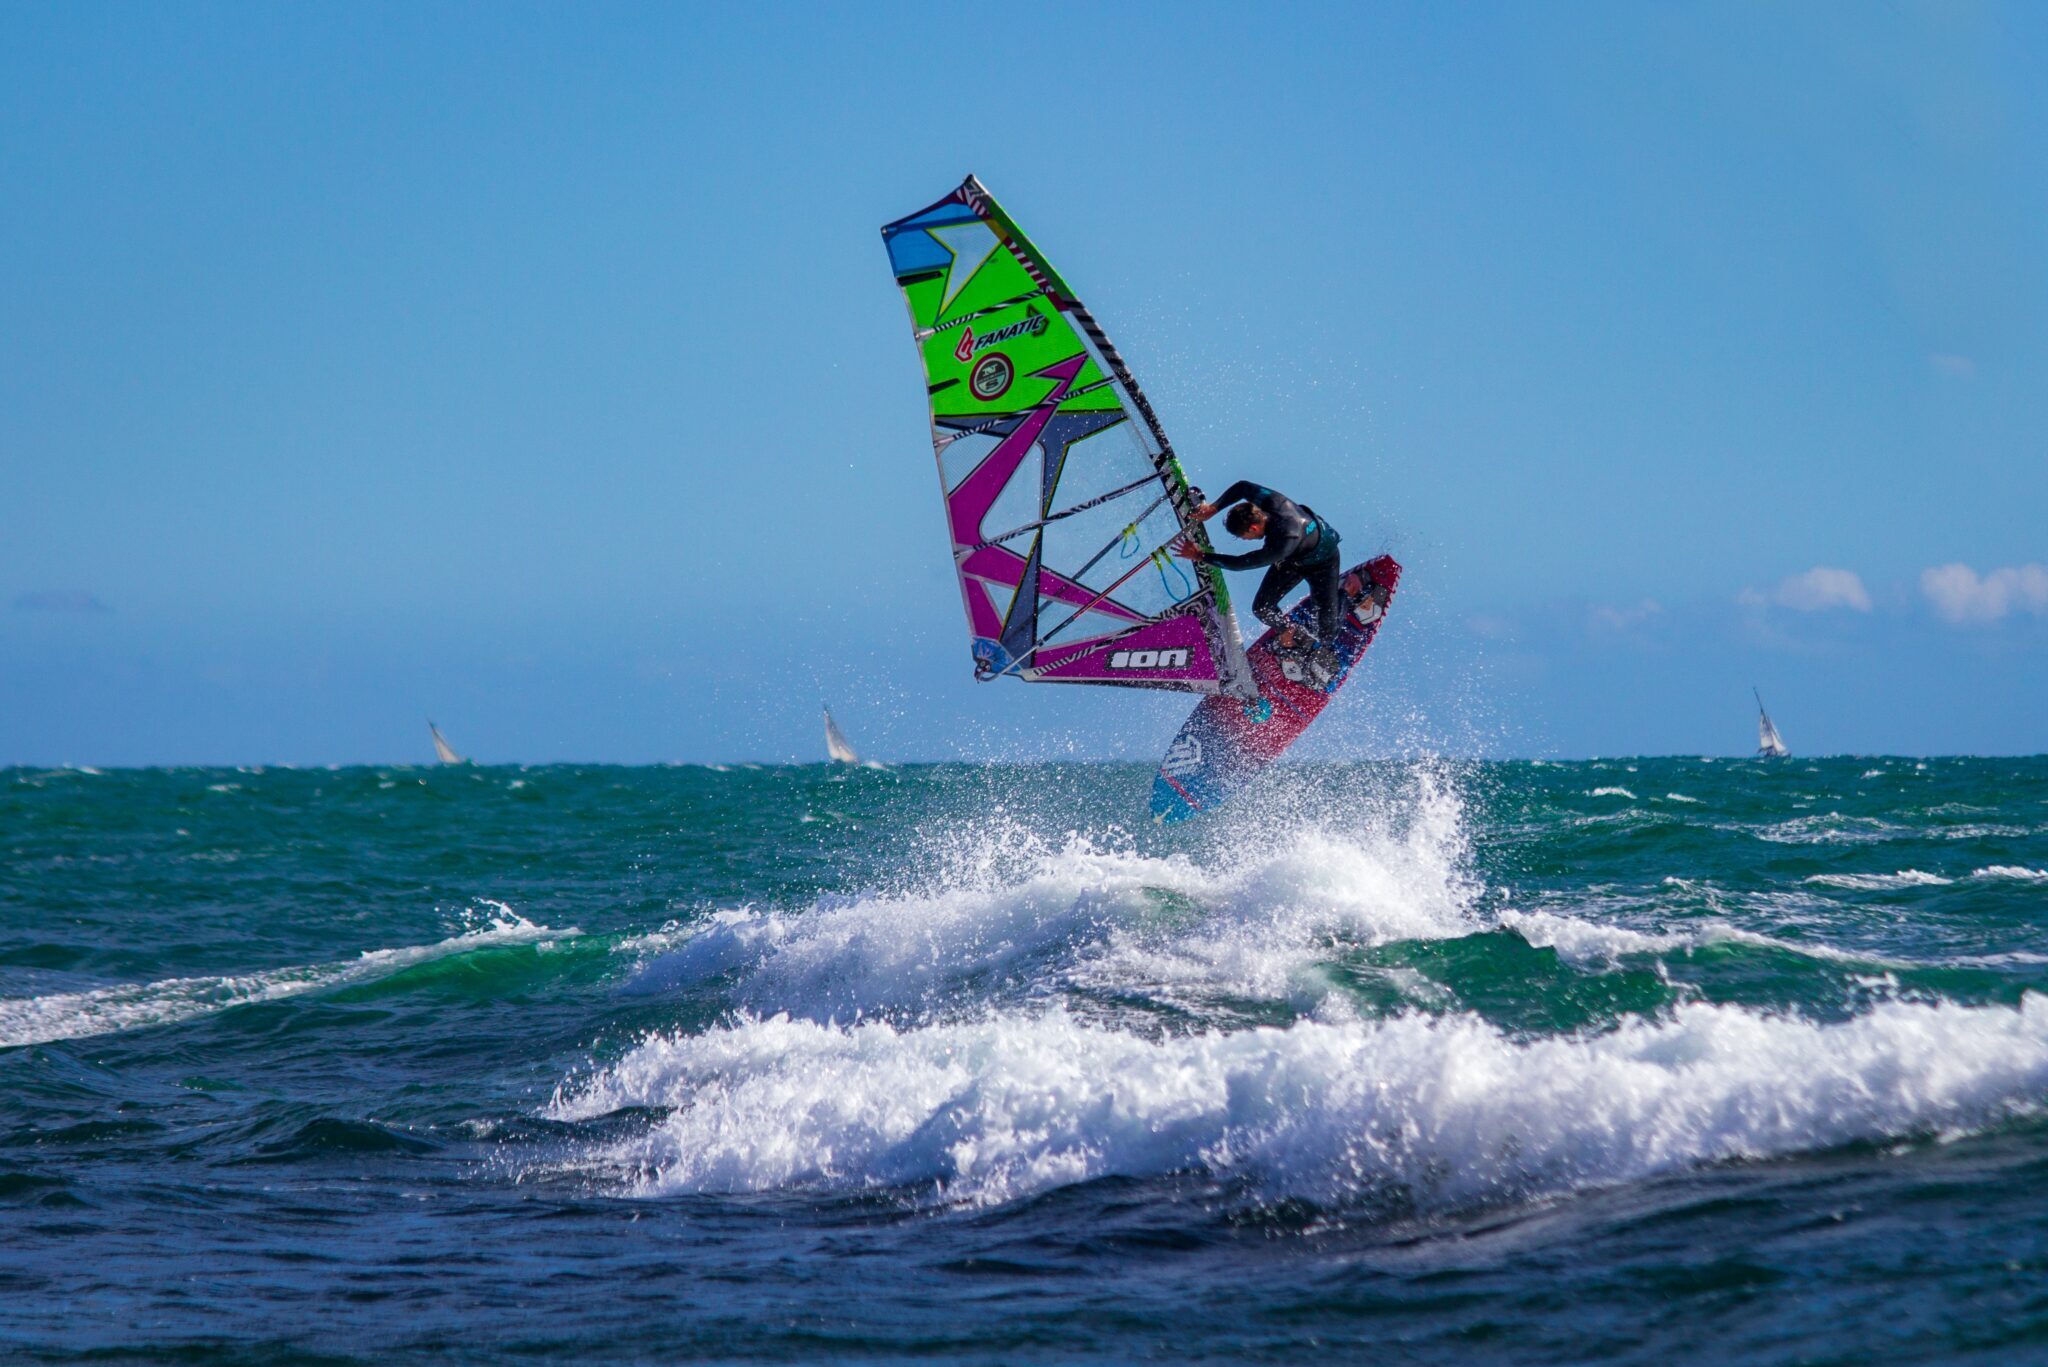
(1297, 546)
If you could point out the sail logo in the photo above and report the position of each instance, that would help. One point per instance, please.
(1149, 659)
(992, 376)
(1032, 324)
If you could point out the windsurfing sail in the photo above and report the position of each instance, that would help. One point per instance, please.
(1063, 495)
(443, 751)
(1769, 744)
(835, 742)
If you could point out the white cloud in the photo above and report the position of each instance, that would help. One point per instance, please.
(1622, 619)
(1961, 597)
(1817, 590)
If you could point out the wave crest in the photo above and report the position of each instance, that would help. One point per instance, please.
(1005, 912)
(1427, 1112)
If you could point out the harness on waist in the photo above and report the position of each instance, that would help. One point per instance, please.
(1324, 543)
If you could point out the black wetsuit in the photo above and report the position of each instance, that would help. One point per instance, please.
(1299, 545)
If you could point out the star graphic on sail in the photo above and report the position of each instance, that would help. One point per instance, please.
(971, 244)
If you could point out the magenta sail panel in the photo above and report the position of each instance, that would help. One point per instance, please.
(1173, 653)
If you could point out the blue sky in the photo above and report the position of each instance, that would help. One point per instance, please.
(538, 369)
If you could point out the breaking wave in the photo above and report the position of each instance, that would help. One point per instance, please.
(134, 1006)
(1008, 913)
(1418, 1111)
(1035, 1011)
(1879, 882)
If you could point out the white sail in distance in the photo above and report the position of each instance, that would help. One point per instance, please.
(835, 742)
(443, 751)
(1769, 744)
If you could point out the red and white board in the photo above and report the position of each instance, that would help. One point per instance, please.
(1227, 742)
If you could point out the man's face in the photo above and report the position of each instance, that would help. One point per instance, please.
(1255, 529)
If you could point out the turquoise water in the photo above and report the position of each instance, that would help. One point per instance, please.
(1647, 1060)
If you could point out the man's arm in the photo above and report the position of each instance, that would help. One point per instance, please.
(1283, 536)
(1236, 493)
(1283, 533)
(1250, 560)
(1240, 492)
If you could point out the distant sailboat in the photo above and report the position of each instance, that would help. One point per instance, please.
(1769, 744)
(442, 749)
(835, 742)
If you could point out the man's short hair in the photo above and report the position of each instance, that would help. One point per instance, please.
(1240, 518)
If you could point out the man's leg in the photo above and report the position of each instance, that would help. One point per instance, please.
(1326, 586)
(1278, 583)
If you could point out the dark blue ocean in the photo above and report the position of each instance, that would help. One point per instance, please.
(1646, 1061)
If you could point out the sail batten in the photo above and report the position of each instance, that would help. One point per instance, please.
(1038, 426)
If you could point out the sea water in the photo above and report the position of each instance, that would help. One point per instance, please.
(1634, 1060)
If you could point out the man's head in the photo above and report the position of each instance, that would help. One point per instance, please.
(1247, 520)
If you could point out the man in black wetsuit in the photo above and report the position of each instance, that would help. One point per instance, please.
(1298, 546)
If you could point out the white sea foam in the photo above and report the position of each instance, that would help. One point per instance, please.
(34, 778)
(1592, 942)
(1679, 797)
(1005, 910)
(1585, 941)
(851, 954)
(1831, 828)
(1612, 792)
(1433, 1111)
(133, 1006)
(1879, 882)
(2012, 871)
(1269, 924)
